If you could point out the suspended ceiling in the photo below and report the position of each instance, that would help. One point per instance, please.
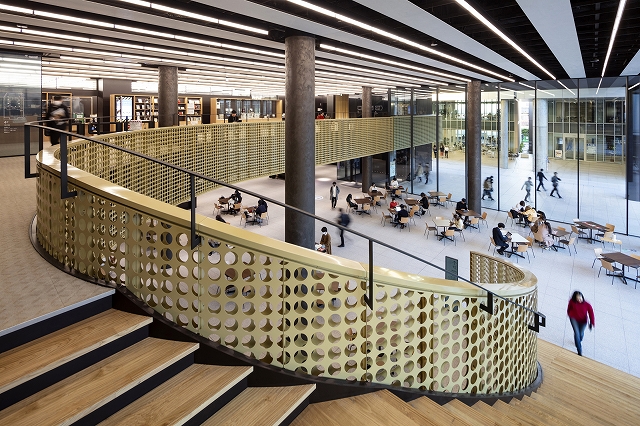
(379, 43)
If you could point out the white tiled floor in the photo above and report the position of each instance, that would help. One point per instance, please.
(614, 340)
(31, 287)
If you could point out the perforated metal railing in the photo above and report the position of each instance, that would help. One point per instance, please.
(287, 306)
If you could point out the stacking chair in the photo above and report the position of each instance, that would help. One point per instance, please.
(568, 243)
(236, 208)
(430, 228)
(412, 213)
(217, 208)
(366, 208)
(386, 217)
(598, 253)
(475, 221)
(635, 256)
(510, 216)
(492, 243)
(484, 219)
(578, 232)
(442, 201)
(449, 233)
(404, 222)
(460, 231)
(264, 218)
(449, 200)
(530, 245)
(523, 248)
(610, 228)
(610, 237)
(397, 193)
(612, 270)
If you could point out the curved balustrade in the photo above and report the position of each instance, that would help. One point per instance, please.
(284, 305)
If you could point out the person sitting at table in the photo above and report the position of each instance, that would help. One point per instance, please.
(394, 183)
(402, 213)
(351, 203)
(424, 203)
(457, 224)
(263, 202)
(325, 241)
(262, 208)
(529, 214)
(501, 241)
(393, 204)
(516, 211)
(462, 205)
(542, 232)
(373, 188)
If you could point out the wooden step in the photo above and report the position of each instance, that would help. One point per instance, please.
(76, 396)
(436, 412)
(490, 412)
(180, 398)
(380, 408)
(567, 414)
(468, 414)
(537, 412)
(519, 416)
(32, 359)
(261, 406)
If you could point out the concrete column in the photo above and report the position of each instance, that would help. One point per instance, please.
(504, 134)
(300, 139)
(367, 162)
(474, 146)
(167, 96)
(542, 134)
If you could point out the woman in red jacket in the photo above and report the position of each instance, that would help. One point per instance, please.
(580, 314)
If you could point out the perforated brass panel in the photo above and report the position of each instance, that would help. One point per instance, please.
(281, 304)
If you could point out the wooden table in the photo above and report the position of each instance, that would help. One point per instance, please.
(591, 226)
(362, 202)
(436, 195)
(444, 224)
(624, 260)
(225, 202)
(252, 219)
(411, 201)
(559, 233)
(468, 213)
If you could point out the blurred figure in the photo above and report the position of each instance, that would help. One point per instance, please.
(59, 113)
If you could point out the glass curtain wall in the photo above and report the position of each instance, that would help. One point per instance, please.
(633, 152)
(450, 153)
(489, 140)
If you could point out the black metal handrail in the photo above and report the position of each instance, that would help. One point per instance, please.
(539, 318)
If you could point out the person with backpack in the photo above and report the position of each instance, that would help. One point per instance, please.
(344, 220)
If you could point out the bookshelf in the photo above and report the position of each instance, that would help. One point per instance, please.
(145, 108)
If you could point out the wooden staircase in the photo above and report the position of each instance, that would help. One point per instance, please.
(106, 370)
(575, 391)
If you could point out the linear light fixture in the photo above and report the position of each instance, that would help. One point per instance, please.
(387, 34)
(539, 90)
(493, 28)
(390, 62)
(599, 83)
(616, 24)
(562, 84)
(634, 86)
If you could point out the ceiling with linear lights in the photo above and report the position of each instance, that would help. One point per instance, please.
(379, 43)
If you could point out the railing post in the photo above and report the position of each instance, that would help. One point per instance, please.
(126, 124)
(27, 153)
(489, 306)
(195, 239)
(538, 320)
(64, 177)
(368, 298)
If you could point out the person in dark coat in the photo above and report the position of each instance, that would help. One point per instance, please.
(58, 112)
(234, 118)
(502, 242)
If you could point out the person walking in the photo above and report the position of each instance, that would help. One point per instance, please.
(419, 172)
(59, 115)
(580, 314)
(344, 220)
(541, 177)
(487, 187)
(527, 186)
(554, 181)
(334, 191)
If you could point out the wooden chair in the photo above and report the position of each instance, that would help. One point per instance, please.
(397, 193)
(449, 200)
(243, 217)
(577, 231)
(430, 228)
(386, 217)
(492, 243)
(449, 233)
(610, 237)
(475, 221)
(404, 221)
(366, 208)
(264, 219)
(598, 253)
(510, 216)
(460, 231)
(613, 270)
(635, 256)
(441, 201)
(412, 213)
(484, 219)
(217, 208)
(530, 245)
(610, 228)
(236, 208)
(568, 243)
(523, 248)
